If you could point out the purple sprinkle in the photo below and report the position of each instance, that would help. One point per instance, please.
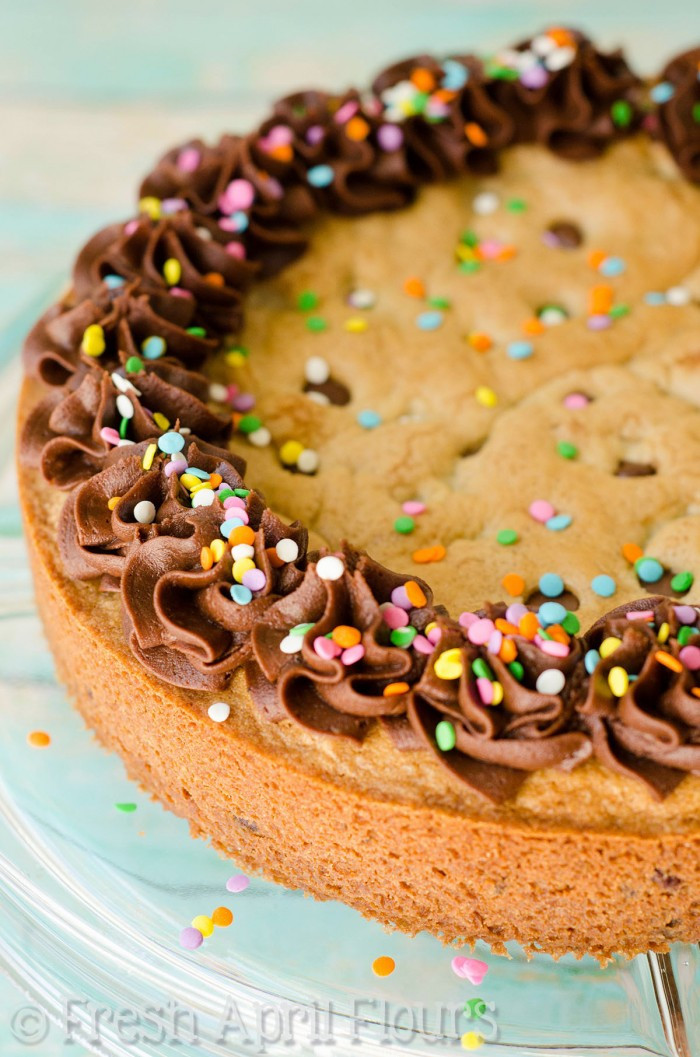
(400, 598)
(173, 205)
(254, 579)
(191, 938)
(685, 614)
(243, 402)
(516, 612)
(535, 77)
(389, 137)
(314, 134)
(238, 883)
(599, 322)
(175, 467)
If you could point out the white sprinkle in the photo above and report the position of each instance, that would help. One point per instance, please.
(219, 711)
(218, 392)
(308, 461)
(329, 567)
(550, 681)
(123, 384)
(204, 497)
(317, 370)
(260, 438)
(145, 512)
(124, 406)
(678, 296)
(287, 550)
(125, 443)
(242, 550)
(485, 202)
(362, 298)
(318, 398)
(185, 429)
(205, 234)
(552, 317)
(292, 644)
(560, 58)
(543, 44)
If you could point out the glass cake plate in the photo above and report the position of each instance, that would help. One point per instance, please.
(97, 882)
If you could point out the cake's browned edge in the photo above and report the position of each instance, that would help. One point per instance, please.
(415, 867)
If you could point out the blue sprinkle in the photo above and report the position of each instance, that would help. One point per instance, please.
(113, 282)
(520, 350)
(649, 570)
(603, 585)
(655, 297)
(320, 176)
(429, 320)
(196, 472)
(551, 613)
(559, 522)
(171, 442)
(241, 594)
(240, 220)
(591, 661)
(229, 525)
(612, 266)
(154, 347)
(454, 75)
(551, 585)
(662, 92)
(369, 419)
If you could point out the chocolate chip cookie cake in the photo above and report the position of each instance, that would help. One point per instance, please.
(360, 472)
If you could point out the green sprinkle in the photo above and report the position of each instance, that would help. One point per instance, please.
(682, 582)
(134, 364)
(249, 424)
(127, 808)
(685, 634)
(307, 300)
(404, 524)
(481, 669)
(241, 492)
(618, 311)
(506, 537)
(227, 493)
(696, 112)
(567, 450)
(419, 101)
(516, 670)
(403, 637)
(123, 428)
(571, 624)
(445, 735)
(316, 324)
(300, 629)
(197, 332)
(469, 238)
(621, 113)
(516, 205)
(469, 267)
(439, 302)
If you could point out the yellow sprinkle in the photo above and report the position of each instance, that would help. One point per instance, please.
(464, 253)
(93, 343)
(609, 645)
(172, 271)
(161, 421)
(241, 567)
(149, 455)
(355, 325)
(206, 558)
(471, 1040)
(449, 664)
(204, 924)
(486, 396)
(290, 452)
(664, 632)
(234, 358)
(497, 693)
(218, 549)
(199, 486)
(111, 503)
(150, 206)
(618, 681)
(189, 480)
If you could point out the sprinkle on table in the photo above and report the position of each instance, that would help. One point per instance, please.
(383, 966)
(39, 739)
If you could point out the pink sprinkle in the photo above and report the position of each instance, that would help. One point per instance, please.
(481, 631)
(599, 322)
(344, 113)
(395, 617)
(389, 137)
(690, 656)
(188, 159)
(254, 579)
(490, 248)
(235, 249)
(238, 195)
(471, 969)
(466, 619)
(413, 507)
(242, 515)
(575, 401)
(178, 291)
(238, 883)
(130, 227)
(400, 598)
(109, 435)
(552, 648)
(278, 136)
(485, 689)
(515, 613)
(541, 510)
(326, 648)
(233, 500)
(640, 614)
(173, 205)
(422, 644)
(495, 642)
(434, 635)
(353, 654)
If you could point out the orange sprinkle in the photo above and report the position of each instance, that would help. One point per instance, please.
(415, 594)
(111, 503)
(668, 661)
(242, 534)
(475, 134)
(423, 79)
(632, 552)
(513, 583)
(206, 558)
(601, 299)
(383, 966)
(275, 560)
(215, 480)
(533, 326)
(596, 258)
(557, 632)
(506, 253)
(561, 36)
(480, 341)
(394, 689)
(508, 651)
(214, 278)
(414, 287)
(346, 636)
(39, 739)
(222, 917)
(429, 554)
(529, 625)
(283, 152)
(236, 418)
(506, 627)
(695, 690)
(357, 129)
(444, 95)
